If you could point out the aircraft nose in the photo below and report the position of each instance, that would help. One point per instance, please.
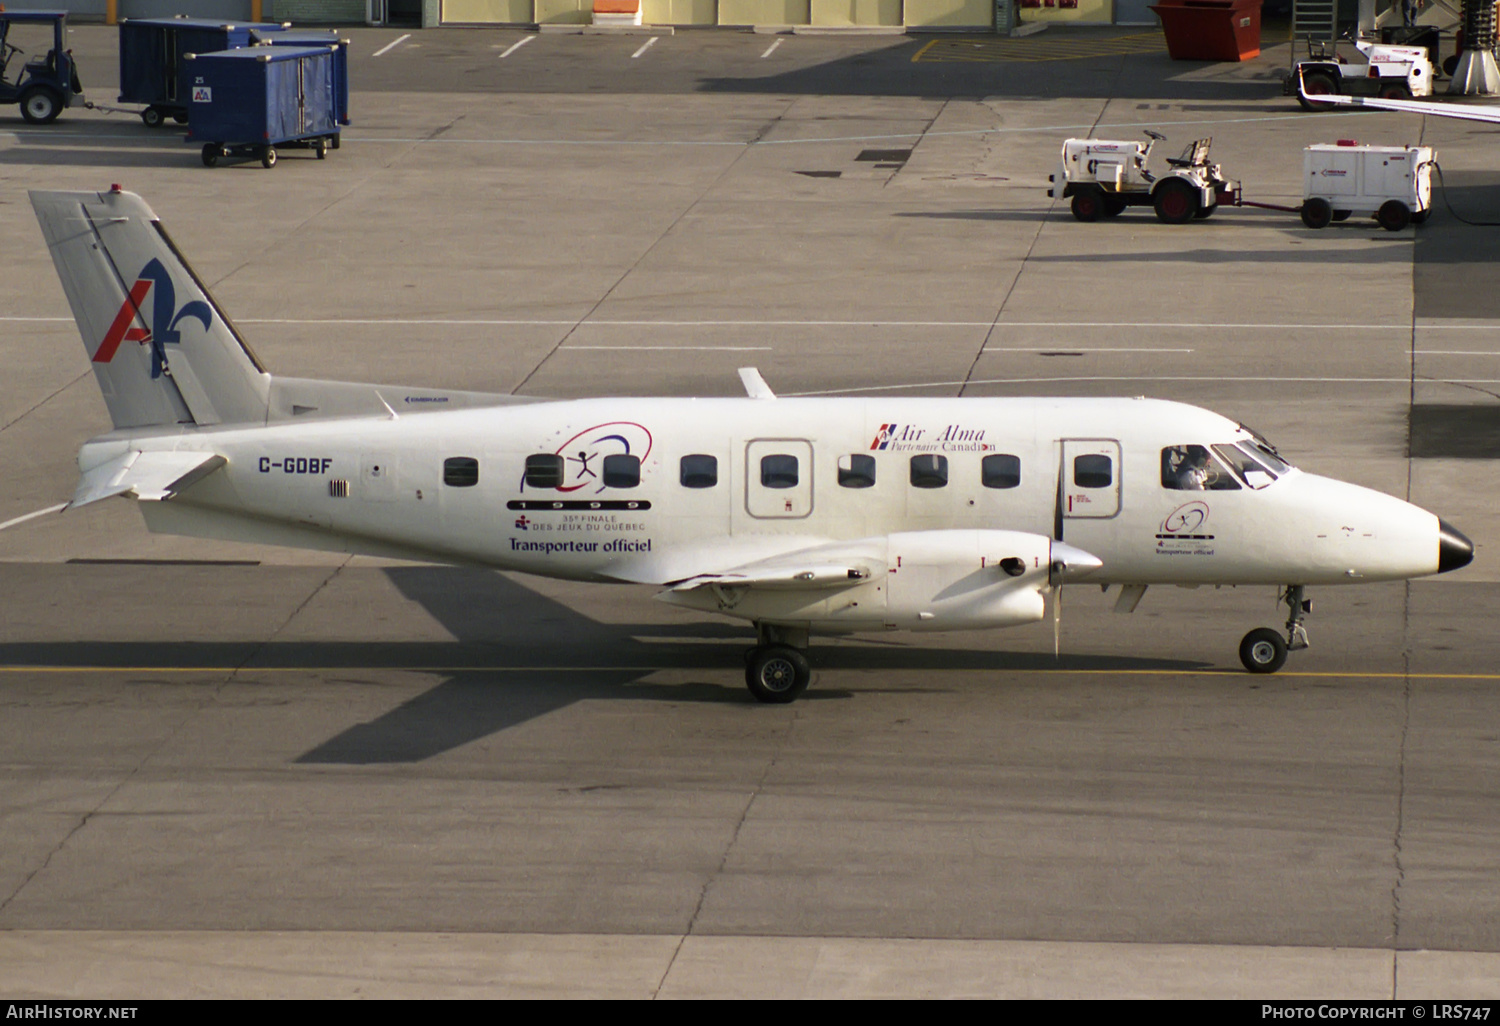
(1454, 549)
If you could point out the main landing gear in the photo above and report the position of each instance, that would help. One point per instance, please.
(1263, 650)
(776, 669)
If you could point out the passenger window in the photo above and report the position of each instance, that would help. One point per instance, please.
(856, 471)
(1190, 468)
(698, 471)
(460, 471)
(544, 470)
(622, 471)
(778, 471)
(1000, 471)
(929, 471)
(1093, 471)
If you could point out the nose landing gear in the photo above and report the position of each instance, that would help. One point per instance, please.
(1263, 650)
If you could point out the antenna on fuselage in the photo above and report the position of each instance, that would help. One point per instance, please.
(755, 385)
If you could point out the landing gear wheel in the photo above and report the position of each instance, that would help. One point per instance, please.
(40, 105)
(1175, 201)
(211, 155)
(1316, 213)
(1317, 83)
(153, 117)
(268, 157)
(1088, 204)
(1393, 215)
(1263, 651)
(777, 674)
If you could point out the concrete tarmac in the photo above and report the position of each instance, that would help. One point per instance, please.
(235, 771)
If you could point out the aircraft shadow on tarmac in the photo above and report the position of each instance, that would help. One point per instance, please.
(517, 655)
(564, 657)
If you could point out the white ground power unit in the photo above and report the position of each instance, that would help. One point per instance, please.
(1104, 176)
(1392, 183)
(1389, 71)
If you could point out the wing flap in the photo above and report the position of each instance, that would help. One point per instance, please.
(152, 476)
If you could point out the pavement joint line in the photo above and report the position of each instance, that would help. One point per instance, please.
(1060, 671)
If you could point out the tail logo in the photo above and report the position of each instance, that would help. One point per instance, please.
(130, 323)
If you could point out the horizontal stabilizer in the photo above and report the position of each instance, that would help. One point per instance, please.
(153, 476)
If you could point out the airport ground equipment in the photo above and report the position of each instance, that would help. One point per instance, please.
(1102, 177)
(43, 84)
(1390, 71)
(1391, 183)
(317, 37)
(248, 102)
(153, 59)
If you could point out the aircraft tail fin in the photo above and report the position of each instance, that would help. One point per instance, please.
(162, 351)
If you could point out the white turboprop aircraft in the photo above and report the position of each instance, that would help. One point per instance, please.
(800, 515)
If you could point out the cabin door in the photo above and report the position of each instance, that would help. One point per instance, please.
(1088, 486)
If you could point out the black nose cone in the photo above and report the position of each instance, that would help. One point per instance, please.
(1454, 550)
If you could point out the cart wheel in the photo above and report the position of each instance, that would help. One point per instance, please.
(1207, 211)
(210, 154)
(321, 148)
(40, 105)
(1088, 204)
(1114, 206)
(1394, 92)
(1393, 215)
(335, 138)
(1317, 83)
(1342, 215)
(1316, 213)
(152, 117)
(268, 157)
(1175, 201)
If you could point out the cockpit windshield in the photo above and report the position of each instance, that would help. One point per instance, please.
(1242, 458)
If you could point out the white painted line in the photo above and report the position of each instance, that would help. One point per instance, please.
(770, 49)
(32, 516)
(391, 45)
(648, 45)
(1218, 378)
(675, 349)
(1075, 349)
(1454, 352)
(516, 46)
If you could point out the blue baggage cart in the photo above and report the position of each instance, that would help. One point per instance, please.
(316, 37)
(247, 102)
(152, 52)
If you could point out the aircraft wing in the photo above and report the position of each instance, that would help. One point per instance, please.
(146, 475)
(799, 571)
(1438, 109)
